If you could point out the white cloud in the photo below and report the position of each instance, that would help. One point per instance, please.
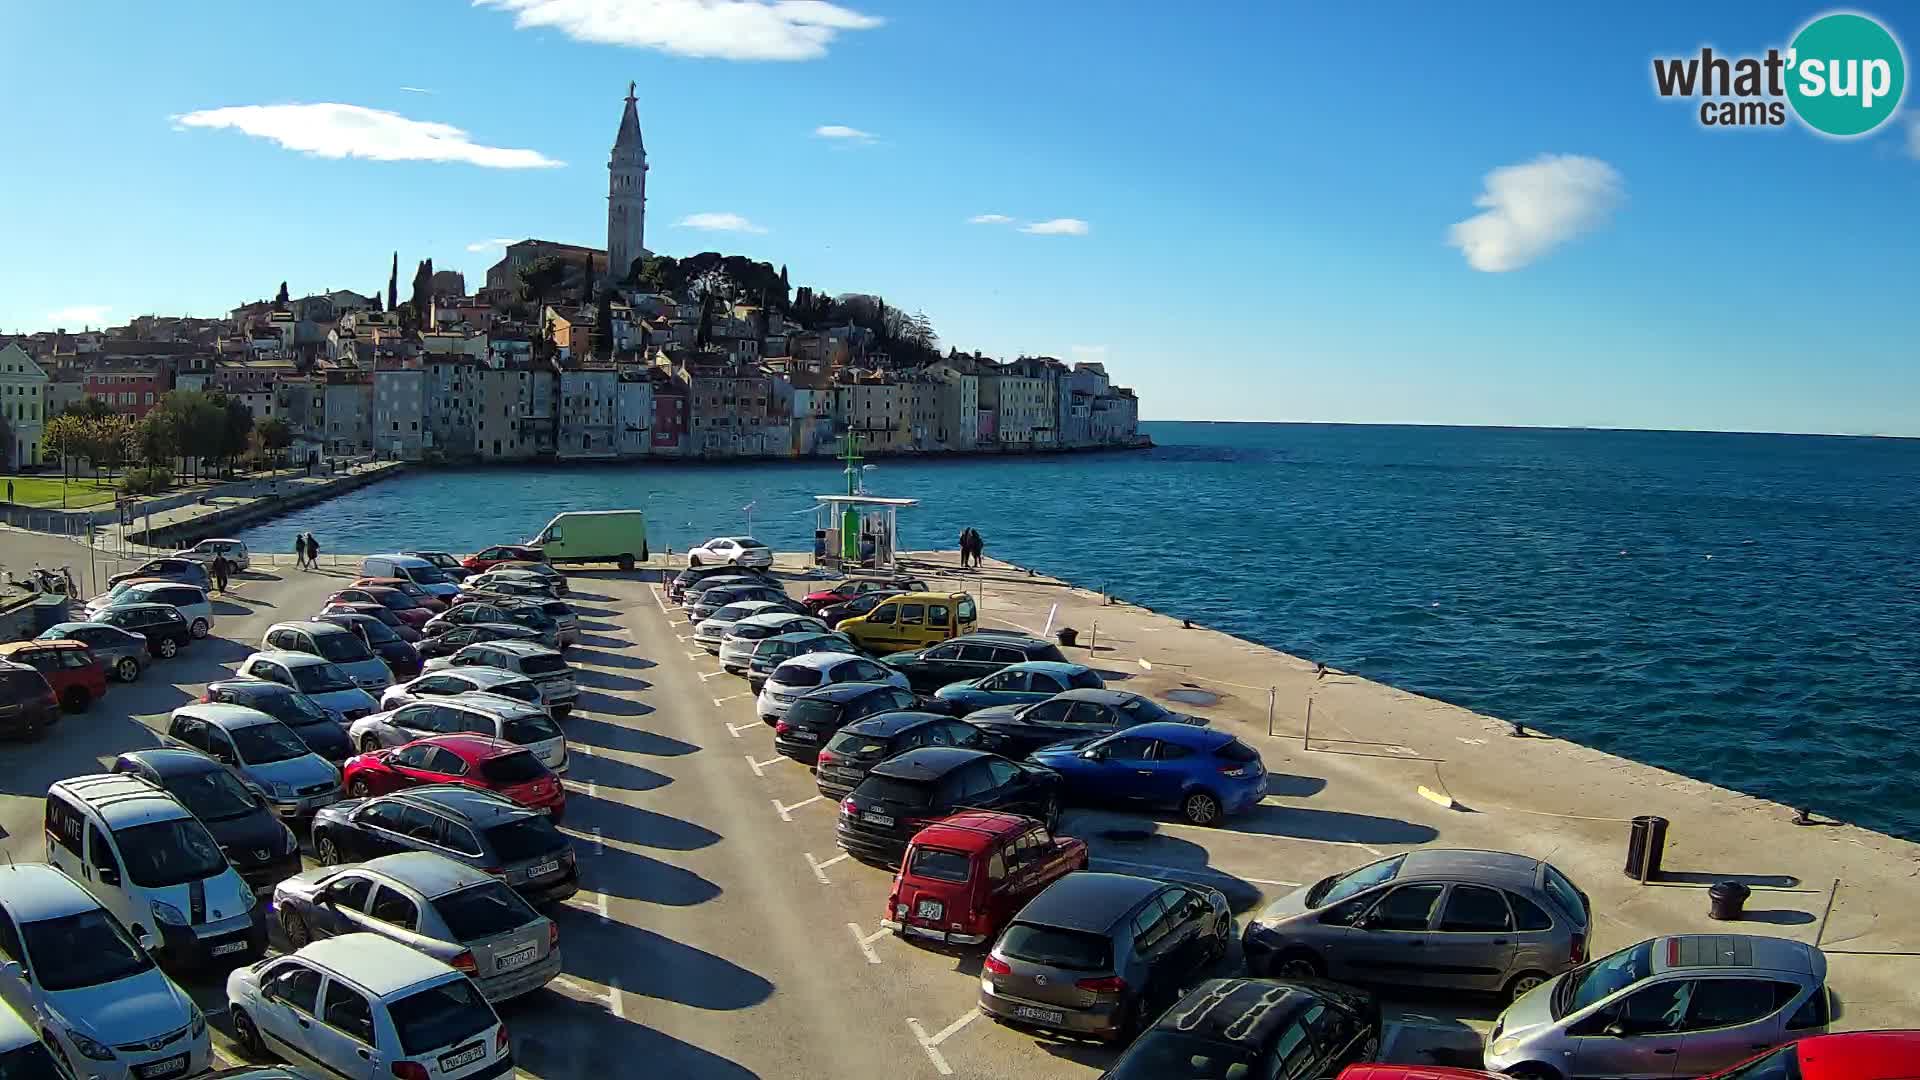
(1060, 226)
(418, 90)
(712, 29)
(79, 315)
(333, 130)
(989, 219)
(841, 131)
(1533, 208)
(719, 223)
(490, 245)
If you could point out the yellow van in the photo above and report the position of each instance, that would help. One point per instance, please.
(912, 621)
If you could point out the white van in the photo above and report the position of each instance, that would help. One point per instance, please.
(154, 866)
(410, 568)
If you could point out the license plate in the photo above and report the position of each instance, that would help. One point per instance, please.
(800, 735)
(229, 948)
(1040, 1016)
(519, 958)
(930, 909)
(784, 699)
(873, 817)
(544, 869)
(175, 1064)
(459, 1058)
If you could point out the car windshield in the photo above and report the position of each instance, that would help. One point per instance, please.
(851, 743)
(1602, 979)
(542, 664)
(264, 744)
(376, 631)
(753, 633)
(321, 679)
(21, 685)
(444, 1015)
(1054, 947)
(483, 911)
(289, 708)
(163, 853)
(1084, 680)
(1340, 886)
(911, 794)
(939, 864)
(1143, 711)
(1782, 1064)
(394, 599)
(513, 768)
(525, 838)
(529, 727)
(1235, 750)
(730, 613)
(214, 795)
(748, 541)
(344, 648)
(29, 1062)
(814, 711)
(796, 675)
(426, 575)
(1161, 1053)
(517, 689)
(86, 948)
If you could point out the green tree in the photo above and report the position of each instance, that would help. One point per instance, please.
(540, 279)
(274, 435)
(156, 437)
(586, 280)
(393, 284)
(111, 441)
(280, 298)
(64, 435)
(235, 429)
(88, 408)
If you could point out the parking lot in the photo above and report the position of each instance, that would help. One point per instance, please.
(720, 932)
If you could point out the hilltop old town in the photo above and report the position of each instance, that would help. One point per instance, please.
(567, 352)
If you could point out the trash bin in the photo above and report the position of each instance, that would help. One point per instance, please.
(1645, 844)
(1729, 900)
(1068, 635)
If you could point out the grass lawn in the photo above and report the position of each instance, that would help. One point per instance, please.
(44, 491)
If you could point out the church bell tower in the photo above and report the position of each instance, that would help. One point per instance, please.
(626, 194)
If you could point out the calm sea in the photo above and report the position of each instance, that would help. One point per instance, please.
(1739, 608)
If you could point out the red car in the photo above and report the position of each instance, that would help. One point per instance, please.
(486, 558)
(393, 600)
(1852, 1055)
(403, 629)
(953, 886)
(76, 675)
(474, 760)
(420, 596)
(856, 587)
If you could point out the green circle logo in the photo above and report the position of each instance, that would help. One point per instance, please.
(1846, 74)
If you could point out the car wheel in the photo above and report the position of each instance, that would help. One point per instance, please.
(1200, 808)
(168, 647)
(295, 927)
(247, 1035)
(127, 670)
(368, 744)
(561, 712)
(325, 851)
(1533, 1070)
(693, 560)
(1520, 984)
(359, 789)
(626, 564)
(1370, 1049)
(1297, 964)
(199, 628)
(74, 700)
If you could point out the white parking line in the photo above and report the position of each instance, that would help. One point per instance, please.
(931, 1044)
(786, 811)
(682, 637)
(705, 675)
(659, 598)
(730, 697)
(1189, 871)
(735, 729)
(696, 655)
(820, 868)
(866, 941)
(759, 767)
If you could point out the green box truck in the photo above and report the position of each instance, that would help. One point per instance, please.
(605, 536)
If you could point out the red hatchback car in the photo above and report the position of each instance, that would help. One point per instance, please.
(485, 558)
(393, 600)
(419, 595)
(1851, 1055)
(474, 760)
(964, 877)
(76, 675)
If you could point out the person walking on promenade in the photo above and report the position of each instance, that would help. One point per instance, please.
(221, 570)
(965, 534)
(979, 546)
(300, 550)
(313, 552)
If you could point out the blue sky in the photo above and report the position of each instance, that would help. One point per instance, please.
(1267, 190)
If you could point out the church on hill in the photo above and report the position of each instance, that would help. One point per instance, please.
(626, 217)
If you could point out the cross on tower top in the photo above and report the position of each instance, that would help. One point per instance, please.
(630, 87)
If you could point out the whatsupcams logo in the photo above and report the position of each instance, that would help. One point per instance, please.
(1843, 75)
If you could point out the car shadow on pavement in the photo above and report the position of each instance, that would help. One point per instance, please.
(557, 1035)
(606, 680)
(608, 659)
(636, 877)
(591, 612)
(591, 814)
(575, 594)
(595, 701)
(1292, 786)
(1337, 826)
(602, 641)
(651, 965)
(608, 772)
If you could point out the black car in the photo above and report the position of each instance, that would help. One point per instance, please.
(512, 612)
(861, 745)
(262, 850)
(969, 656)
(316, 727)
(1256, 1027)
(485, 831)
(166, 629)
(166, 567)
(835, 614)
(899, 796)
(692, 575)
(456, 637)
(814, 719)
(27, 705)
(714, 599)
(401, 658)
(1022, 729)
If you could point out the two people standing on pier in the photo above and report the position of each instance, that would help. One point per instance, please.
(970, 547)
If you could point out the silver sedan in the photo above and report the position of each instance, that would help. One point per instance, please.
(122, 652)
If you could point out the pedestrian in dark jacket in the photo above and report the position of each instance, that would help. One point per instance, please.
(221, 569)
(300, 550)
(313, 552)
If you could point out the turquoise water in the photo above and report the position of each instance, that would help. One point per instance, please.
(1739, 608)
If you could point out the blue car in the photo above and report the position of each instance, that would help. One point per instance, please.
(1205, 774)
(1018, 684)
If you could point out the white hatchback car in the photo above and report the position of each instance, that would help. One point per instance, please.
(731, 551)
(190, 599)
(69, 968)
(360, 1006)
(804, 674)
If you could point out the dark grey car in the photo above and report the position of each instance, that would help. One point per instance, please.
(1468, 920)
(474, 827)
(1094, 954)
(123, 653)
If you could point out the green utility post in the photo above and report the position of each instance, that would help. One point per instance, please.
(850, 517)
